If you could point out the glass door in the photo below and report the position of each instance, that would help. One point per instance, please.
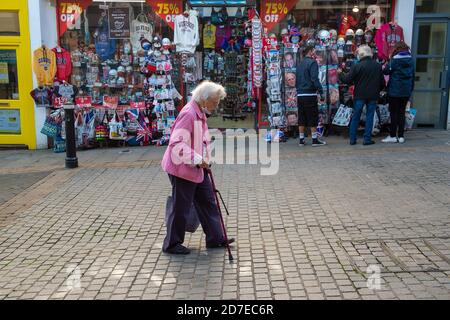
(432, 73)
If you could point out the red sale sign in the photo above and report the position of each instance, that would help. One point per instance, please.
(69, 14)
(274, 11)
(110, 102)
(167, 9)
(137, 105)
(83, 101)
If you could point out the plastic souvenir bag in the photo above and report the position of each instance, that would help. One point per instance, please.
(410, 117)
(343, 116)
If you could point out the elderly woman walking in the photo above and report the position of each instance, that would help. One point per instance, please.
(186, 162)
(367, 76)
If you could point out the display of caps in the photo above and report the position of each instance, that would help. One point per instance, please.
(157, 42)
(341, 42)
(112, 73)
(359, 32)
(324, 35)
(284, 31)
(350, 33)
(311, 42)
(146, 44)
(294, 31)
(166, 43)
(333, 34)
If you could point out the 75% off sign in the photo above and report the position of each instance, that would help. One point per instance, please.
(167, 10)
(274, 11)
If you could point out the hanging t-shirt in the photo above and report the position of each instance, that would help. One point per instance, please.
(386, 39)
(209, 36)
(223, 33)
(347, 22)
(68, 92)
(186, 34)
(44, 66)
(140, 28)
(63, 64)
(104, 46)
(42, 97)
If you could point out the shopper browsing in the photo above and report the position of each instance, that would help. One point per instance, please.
(186, 162)
(400, 86)
(308, 87)
(368, 79)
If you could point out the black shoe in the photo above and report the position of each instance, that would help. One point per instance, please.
(368, 143)
(178, 249)
(352, 143)
(219, 245)
(301, 142)
(318, 143)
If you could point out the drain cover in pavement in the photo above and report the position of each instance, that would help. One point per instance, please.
(399, 255)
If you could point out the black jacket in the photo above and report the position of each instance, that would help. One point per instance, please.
(308, 77)
(401, 72)
(367, 76)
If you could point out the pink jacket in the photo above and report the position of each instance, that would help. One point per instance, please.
(188, 144)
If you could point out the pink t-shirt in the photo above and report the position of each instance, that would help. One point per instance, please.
(222, 32)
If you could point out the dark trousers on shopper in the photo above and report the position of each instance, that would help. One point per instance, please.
(356, 118)
(184, 193)
(397, 108)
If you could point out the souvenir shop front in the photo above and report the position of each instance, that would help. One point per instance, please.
(129, 67)
(116, 64)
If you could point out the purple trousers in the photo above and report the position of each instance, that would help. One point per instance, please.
(184, 193)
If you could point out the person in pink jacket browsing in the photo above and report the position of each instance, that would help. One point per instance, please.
(186, 162)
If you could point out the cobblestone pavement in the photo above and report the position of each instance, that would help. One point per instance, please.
(319, 229)
(13, 184)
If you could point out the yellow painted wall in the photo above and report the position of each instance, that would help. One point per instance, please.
(25, 77)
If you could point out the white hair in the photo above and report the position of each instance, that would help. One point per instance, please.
(206, 90)
(364, 51)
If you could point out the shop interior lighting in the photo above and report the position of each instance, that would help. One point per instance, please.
(355, 9)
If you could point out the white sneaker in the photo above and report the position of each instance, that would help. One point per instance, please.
(401, 140)
(390, 139)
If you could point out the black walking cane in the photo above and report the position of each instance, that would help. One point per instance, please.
(215, 191)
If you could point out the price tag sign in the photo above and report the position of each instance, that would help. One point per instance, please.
(137, 105)
(110, 102)
(274, 11)
(167, 9)
(83, 102)
(58, 102)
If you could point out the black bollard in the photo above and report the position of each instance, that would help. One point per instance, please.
(71, 152)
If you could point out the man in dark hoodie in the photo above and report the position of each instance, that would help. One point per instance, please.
(367, 76)
(401, 84)
(308, 86)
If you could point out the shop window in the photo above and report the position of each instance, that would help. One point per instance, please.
(8, 75)
(339, 15)
(106, 52)
(9, 23)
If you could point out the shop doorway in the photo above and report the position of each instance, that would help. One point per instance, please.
(431, 92)
(16, 106)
